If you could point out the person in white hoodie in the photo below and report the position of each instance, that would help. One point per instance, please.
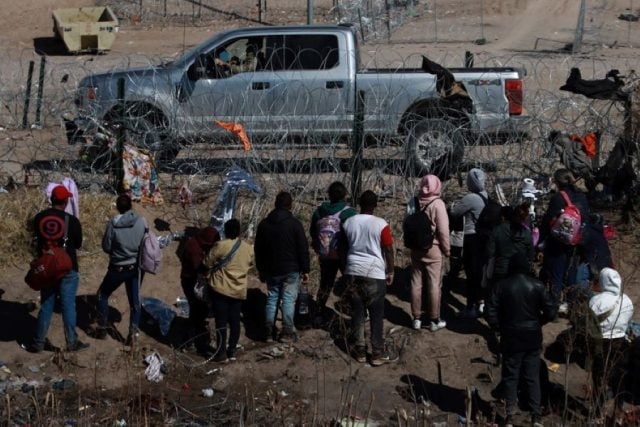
(613, 311)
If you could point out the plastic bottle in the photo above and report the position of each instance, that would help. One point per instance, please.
(303, 301)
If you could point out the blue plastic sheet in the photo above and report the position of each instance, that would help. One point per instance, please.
(161, 312)
(235, 179)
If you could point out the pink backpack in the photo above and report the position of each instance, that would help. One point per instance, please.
(328, 230)
(567, 227)
(150, 252)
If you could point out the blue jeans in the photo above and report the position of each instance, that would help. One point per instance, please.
(364, 292)
(282, 288)
(67, 291)
(112, 281)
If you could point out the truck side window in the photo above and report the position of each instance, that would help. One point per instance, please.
(311, 52)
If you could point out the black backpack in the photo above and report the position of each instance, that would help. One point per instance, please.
(490, 217)
(417, 230)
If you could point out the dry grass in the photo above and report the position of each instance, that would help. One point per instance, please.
(18, 208)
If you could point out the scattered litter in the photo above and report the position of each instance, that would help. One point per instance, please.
(3, 190)
(154, 370)
(554, 367)
(70, 423)
(183, 306)
(64, 384)
(34, 369)
(355, 421)
(283, 393)
(186, 386)
(83, 408)
(160, 312)
(120, 423)
(4, 369)
(207, 392)
(628, 17)
(213, 371)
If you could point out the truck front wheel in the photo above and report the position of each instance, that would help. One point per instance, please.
(434, 146)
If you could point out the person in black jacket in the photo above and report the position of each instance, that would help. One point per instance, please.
(282, 260)
(518, 307)
(557, 255)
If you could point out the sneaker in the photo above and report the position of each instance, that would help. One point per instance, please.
(563, 308)
(436, 326)
(77, 346)
(34, 348)
(481, 308)
(221, 357)
(268, 334)
(417, 324)
(381, 359)
(288, 337)
(360, 354)
(206, 352)
(231, 355)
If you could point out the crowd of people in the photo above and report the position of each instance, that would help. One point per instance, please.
(502, 246)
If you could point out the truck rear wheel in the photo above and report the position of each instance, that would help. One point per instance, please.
(434, 146)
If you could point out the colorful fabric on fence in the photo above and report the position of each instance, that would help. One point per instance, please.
(140, 175)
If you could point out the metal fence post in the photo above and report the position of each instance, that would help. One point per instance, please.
(309, 12)
(577, 43)
(357, 147)
(40, 91)
(27, 96)
(119, 164)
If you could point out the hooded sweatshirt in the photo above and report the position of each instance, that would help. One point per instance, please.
(123, 237)
(428, 194)
(613, 308)
(473, 203)
(281, 246)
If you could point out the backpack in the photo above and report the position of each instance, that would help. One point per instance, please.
(54, 262)
(327, 233)
(150, 252)
(566, 227)
(417, 230)
(489, 218)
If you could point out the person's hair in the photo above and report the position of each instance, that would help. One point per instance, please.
(123, 203)
(232, 228)
(284, 200)
(563, 178)
(337, 192)
(521, 212)
(368, 200)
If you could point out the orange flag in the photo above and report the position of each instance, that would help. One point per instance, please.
(237, 129)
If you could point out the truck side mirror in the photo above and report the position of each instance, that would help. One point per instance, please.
(198, 70)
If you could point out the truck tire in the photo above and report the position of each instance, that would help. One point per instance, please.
(434, 146)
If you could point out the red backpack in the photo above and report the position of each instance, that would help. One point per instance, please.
(567, 227)
(52, 265)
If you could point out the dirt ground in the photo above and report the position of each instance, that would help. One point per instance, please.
(313, 379)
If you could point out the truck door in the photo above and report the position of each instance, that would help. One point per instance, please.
(312, 91)
(231, 91)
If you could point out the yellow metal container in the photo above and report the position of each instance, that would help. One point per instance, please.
(86, 29)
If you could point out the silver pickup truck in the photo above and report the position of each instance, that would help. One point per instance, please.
(299, 82)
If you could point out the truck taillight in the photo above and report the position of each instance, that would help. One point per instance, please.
(513, 92)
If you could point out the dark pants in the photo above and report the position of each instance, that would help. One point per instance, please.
(528, 364)
(608, 369)
(227, 311)
(328, 271)
(198, 311)
(472, 254)
(363, 292)
(112, 281)
(556, 266)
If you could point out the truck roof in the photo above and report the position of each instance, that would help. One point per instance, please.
(346, 28)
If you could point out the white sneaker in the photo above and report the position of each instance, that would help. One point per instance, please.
(481, 308)
(563, 308)
(436, 326)
(417, 324)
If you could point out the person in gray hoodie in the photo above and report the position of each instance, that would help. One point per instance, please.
(122, 239)
(471, 207)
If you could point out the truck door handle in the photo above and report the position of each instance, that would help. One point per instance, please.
(260, 85)
(334, 84)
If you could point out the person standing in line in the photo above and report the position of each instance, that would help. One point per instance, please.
(368, 272)
(51, 225)
(427, 266)
(192, 259)
(229, 262)
(122, 239)
(613, 310)
(325, 231)
(282, 260)
(557, 255)
(518, 308)
(471, 207)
